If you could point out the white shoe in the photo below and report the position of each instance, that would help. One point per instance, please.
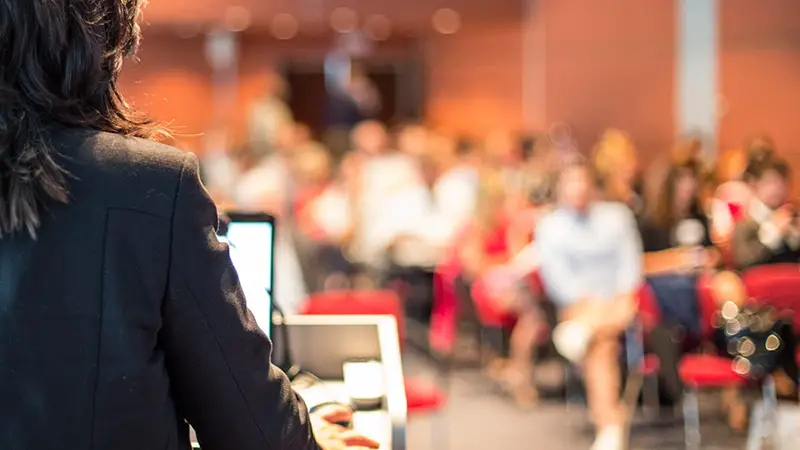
(610, 438)
(571, 340)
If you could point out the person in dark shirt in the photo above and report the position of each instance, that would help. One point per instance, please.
(677, 244)
(770, 232)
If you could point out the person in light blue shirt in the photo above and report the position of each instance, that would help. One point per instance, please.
(591, 265)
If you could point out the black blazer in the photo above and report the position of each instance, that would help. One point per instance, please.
(124, 319)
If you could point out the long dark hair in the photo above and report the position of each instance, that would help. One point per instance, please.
(59, 63)
(663, 214)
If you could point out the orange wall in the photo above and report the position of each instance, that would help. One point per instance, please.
(760, 72)
(598, 64)
(474, 78)
(171, 82)
(611, 64)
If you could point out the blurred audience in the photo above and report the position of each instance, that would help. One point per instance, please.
(386, 207)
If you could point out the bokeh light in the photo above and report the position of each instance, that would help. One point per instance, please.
(284, 26)
(237, 18)
(378, 27)
(344, 20)
(446, 21)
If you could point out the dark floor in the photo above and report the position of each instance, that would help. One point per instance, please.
(478, 417)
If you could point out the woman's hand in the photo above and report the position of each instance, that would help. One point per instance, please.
(331, 436)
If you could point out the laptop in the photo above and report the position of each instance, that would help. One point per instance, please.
(251, 238)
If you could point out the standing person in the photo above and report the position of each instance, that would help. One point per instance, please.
(122, 316)
(269, 115)
(591, 266)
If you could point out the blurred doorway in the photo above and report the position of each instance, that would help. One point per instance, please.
(398, 84)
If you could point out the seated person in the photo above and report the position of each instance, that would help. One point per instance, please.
(616, 164)
(770, 233)
(330, 215)
(677, 244)
(591, 262)
(496, 235)
(733, 194)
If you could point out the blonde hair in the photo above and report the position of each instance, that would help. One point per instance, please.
(614, 147)
(491, 194)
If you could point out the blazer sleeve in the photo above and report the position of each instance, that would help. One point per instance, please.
(216, 356)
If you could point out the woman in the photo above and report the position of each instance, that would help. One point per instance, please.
(677, 245)
(122, 317)
(503, 227)
(616, 163)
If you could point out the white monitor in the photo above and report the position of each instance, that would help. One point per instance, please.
(251, 238)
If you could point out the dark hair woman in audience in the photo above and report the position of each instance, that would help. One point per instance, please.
(677, 245)
(122, 316)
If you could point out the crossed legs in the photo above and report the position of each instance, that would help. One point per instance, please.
(601, 323)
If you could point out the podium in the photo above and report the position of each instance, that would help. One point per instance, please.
(321, 345)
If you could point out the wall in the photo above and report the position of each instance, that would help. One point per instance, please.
(760, 73)
(611, 64)
(171, 82)
(592, 64)
(474, 78)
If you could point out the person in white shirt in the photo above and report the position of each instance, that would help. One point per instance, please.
(453, 198)
(391, 198)
(268, 187)
(591, 266)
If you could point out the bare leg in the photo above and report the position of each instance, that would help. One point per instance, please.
(521, 347)
(603, 382)
(608, 321)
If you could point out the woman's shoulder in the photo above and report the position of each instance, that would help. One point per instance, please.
(117, 153)
(126, 172)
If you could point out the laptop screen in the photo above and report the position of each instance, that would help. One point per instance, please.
(251, 238)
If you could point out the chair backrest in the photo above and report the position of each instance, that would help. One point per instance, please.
(372, 302)
(776, 285)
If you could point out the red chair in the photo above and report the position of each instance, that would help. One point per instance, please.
(776, 285)
(699, 371)
(421, 397)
